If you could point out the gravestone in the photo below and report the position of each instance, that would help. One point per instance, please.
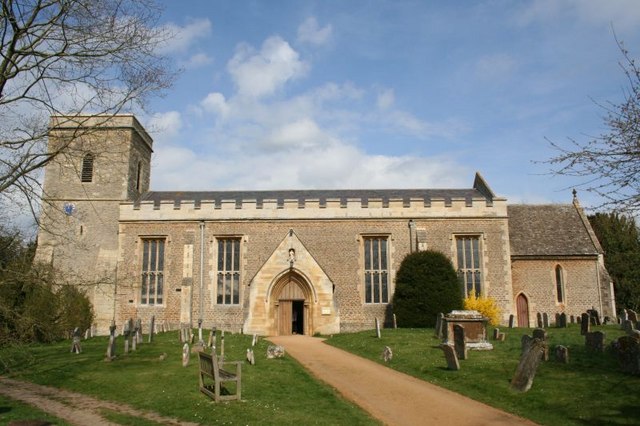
(250, 358)
(595, 341)
(87, 334)
(628, 327)
(126, 332)
(579, 319)
(539, 322)
(562, 320)
(496, 333)
(185, 355)
(622, 318)
(594, 316)
(502, 337)
(627, 349)
(152, 328)
(450, 356)
(573, 319)
(585, 324)
(254, 340)
(525, 343)
(75, 344)
(529, 362)
(111, 349)
(545, 320)
(541, 334)
(439, 322)
(275, 351)
(459, 342)
(633, 316)
(138, 329)
(511, 320)
(557, 319)
(562, 354)
(378, 328)
(387, 354)
(395, 322)
(213, 337)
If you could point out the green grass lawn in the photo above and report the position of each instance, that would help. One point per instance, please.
(589, 390)
(275, 391)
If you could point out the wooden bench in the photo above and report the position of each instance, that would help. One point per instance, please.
(209, 367)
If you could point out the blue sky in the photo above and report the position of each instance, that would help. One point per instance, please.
(385, 94)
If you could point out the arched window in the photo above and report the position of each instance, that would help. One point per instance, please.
(559, 284)
(87, 168)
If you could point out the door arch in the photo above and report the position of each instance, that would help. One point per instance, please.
(522, 310)
(291, 297)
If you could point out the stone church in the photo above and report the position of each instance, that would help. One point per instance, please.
(292, 261)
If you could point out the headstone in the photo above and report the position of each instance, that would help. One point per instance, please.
(545, 320)
(541, 334)
(254, 340)
(633, 316)
(562, 320)
(250, 358)
(526, 370)
(557, 319)
(212, 337)
(579, 319)
(585, 324)
(378, 328)
(395, 322)
(502, 337)
(573, 319)
(459, 342)
(595, 341)
(111, 349)
(539, 322)
(75, 344)
(152, 328)
(450, 356)
(628, 327)
(594, 316)
(440, 323)
(511, 320)
(138, 328)
(562, 354)
(200, 339)
(387, 354)
(496, 333)
(525, 343)
(185, 355)
(87, 334)
(275, 351)
(627, 349)
(127, 334)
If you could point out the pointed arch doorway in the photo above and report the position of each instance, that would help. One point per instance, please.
(291, 298)
(522, 309)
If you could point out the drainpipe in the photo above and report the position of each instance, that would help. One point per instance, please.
(201, 310)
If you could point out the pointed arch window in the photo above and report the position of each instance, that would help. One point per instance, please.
(87, 168)
(560, 296)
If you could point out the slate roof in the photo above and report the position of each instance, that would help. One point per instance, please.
(550, 230)
(312, 194)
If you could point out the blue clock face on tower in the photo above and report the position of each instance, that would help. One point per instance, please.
(69, 208)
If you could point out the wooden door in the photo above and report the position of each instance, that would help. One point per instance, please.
(285, 309)
(522, 307)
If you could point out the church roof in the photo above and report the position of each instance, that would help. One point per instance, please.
(317, 194)
(550, 230)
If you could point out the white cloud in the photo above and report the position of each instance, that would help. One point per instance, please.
(495, 67)
(164, 127)
(299, 134)
(197, 60)
(310, 32)
(215, 103)
(258, 74)
(386, 99)
(184, 37)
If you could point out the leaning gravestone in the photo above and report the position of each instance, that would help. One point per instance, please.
(275, 351)
(585, 324)
(526, 370)
(541, 334)
(595, 341)
(562, 354)
(450, 356)
(387, 354)
(459, 342)
(185, 355)
(75, 345)
(525, 344)
(439, 321)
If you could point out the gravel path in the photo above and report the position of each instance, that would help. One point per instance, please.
(75, 408)
(390, 396)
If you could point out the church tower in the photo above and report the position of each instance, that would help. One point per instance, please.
(100, 162)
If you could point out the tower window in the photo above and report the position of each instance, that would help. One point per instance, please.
(139, 176)
(87, 168)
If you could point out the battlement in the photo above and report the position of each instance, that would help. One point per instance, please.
(310, 208)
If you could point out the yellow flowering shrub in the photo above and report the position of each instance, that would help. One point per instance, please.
(485, 305)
